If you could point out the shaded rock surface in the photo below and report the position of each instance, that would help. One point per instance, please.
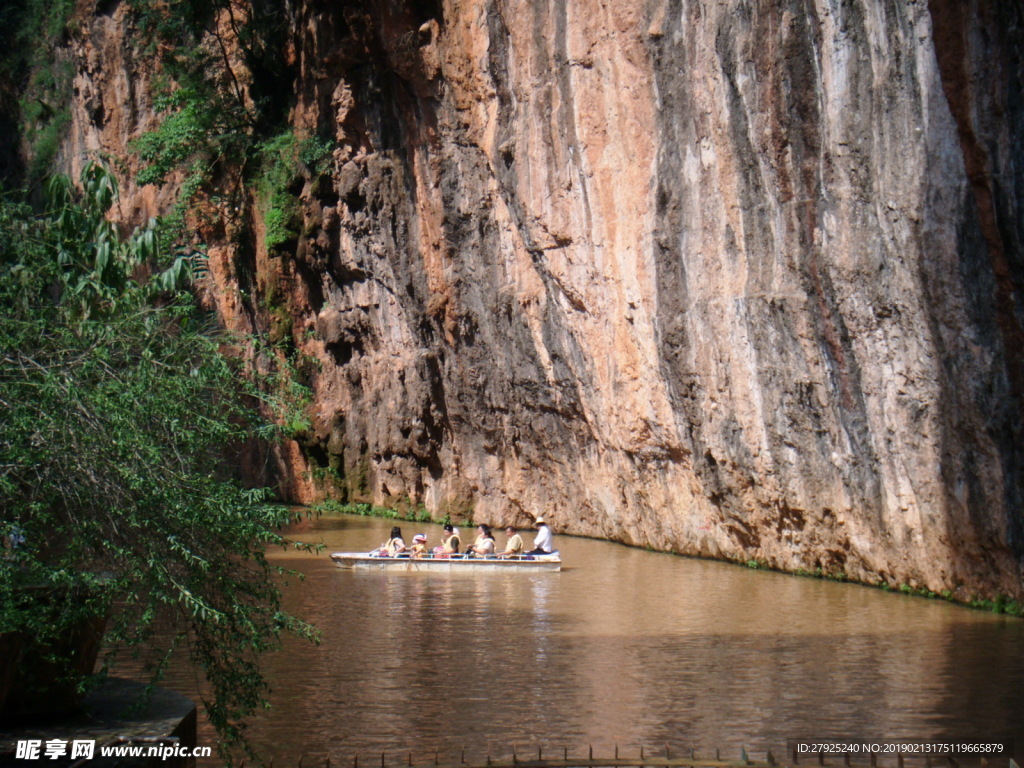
(737, 279)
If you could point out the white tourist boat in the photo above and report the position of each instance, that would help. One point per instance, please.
(457, 564)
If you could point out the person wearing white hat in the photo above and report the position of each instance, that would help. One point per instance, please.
(544, 541)
(419, 545)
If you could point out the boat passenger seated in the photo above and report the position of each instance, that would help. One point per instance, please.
(514, 545)
(449, 544)
(395, 545)
(544, 542)
(419, 546)
(484, 544)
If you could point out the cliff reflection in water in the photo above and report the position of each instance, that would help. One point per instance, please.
(624, 647)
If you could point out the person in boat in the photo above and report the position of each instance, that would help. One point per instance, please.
(544, 541)
(484, 544)
(449, 543)
(514, 544)
(395, 545)
(419, 546)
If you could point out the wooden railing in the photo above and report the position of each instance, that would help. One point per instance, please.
(640, 757)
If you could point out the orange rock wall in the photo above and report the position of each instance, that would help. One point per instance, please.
(738, 279)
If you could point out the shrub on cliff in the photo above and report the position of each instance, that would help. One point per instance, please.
(116, 411)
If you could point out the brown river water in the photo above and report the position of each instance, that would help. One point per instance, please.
(623, 647)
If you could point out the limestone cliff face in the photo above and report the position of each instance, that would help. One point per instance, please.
(739, 279)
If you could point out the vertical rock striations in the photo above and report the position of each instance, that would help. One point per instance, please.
(738, 279)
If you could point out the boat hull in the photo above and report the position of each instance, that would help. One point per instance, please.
(362, 561)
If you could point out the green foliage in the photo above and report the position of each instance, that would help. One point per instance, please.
(205, 124)
(296, 423)
(201, 129)
(33, 60)
(210, 122)
(286, 393)
(315, 154)
(175, 21)
(332, 507)
(45, 139)
(418, 514)
(30, 30)
(96, 264)
(205, 41)
(115, 415)
(1001, 604)
(182, 136)
(283, 162)
(820, 573)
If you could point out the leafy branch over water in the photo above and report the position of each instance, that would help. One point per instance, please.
(117, 412)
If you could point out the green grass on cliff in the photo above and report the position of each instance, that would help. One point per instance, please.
(416, 514)
(1000, 604)
(284, 162)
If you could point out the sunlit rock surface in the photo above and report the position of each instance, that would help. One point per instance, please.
(733, 279)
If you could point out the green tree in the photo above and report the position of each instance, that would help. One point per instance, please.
(117, 410)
